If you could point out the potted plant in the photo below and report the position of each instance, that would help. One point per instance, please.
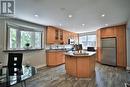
(27, 45)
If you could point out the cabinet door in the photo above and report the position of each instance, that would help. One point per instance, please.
(70, 65)
(98, 44)
(83, 62)
(61, 35)
(121, 46)
(60, 57)
(51, 35)
(65, 37)
(108, 32)
(51, 59)
(56, 34)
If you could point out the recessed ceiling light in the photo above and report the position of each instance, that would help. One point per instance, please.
(106, 24)
(60, 24)
(103, 15)
(70, 16)
(36, 15)
(83, 24)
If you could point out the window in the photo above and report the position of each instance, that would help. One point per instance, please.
(13, 38)
(37, 39)
(82, 40)
(91, 40)
(23, 39)
(87, 41)
(26, 37)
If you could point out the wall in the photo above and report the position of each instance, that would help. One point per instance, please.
(35, 58)
(87, 33)
(128, 44)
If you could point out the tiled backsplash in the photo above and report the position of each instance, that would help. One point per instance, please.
(56, 46)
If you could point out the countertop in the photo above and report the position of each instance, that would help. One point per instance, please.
(57, 50)
(86, 53)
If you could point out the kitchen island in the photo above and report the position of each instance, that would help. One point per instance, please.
(80, 65)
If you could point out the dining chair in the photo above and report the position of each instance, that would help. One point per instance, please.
(14, 63)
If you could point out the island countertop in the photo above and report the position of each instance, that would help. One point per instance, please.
(87, 53)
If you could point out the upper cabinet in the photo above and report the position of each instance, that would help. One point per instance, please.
(65, 37)
(51, 35)
(56, 35)
(108, 32)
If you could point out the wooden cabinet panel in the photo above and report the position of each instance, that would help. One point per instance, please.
(83, 72)
(98, 35)
(108, 32)
(60, 57)
(98, 44)
(65, 37)
(54, 35)
(55, 58)
(70, 67)
(121, 46)
(80, 66)
(99, 54)
(88, 62)
(51, 60)
(51, 35)
(59, 36)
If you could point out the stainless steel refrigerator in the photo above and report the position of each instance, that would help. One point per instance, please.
(109, 51)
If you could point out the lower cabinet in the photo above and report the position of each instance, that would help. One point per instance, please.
(55, 58)
(70, 65)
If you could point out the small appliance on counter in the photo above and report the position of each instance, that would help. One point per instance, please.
(91, 49)
(78, 47)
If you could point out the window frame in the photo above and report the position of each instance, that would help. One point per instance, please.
(87, 40)
(18, 37)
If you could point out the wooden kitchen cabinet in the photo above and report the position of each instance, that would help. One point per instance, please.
(55, 58)
(65, 37)
(108, 32)
(51, 60)
(60, 32)
(51, 35)
(70, 65)
(69, 35)
(120, 33)
(60, 57)
(59, 36)
(98, 44)
(54, 35)
(121, 46)
(80, 66)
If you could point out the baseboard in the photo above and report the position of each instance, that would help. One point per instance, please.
(127, 68)
(40, 66)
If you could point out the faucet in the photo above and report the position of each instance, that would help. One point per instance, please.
(57, 46)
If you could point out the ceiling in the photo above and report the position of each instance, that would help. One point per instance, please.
(86, 14)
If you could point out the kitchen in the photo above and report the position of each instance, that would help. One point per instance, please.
(81, 45)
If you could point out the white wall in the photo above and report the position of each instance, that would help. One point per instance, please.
(35, 58)
(128, 45)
